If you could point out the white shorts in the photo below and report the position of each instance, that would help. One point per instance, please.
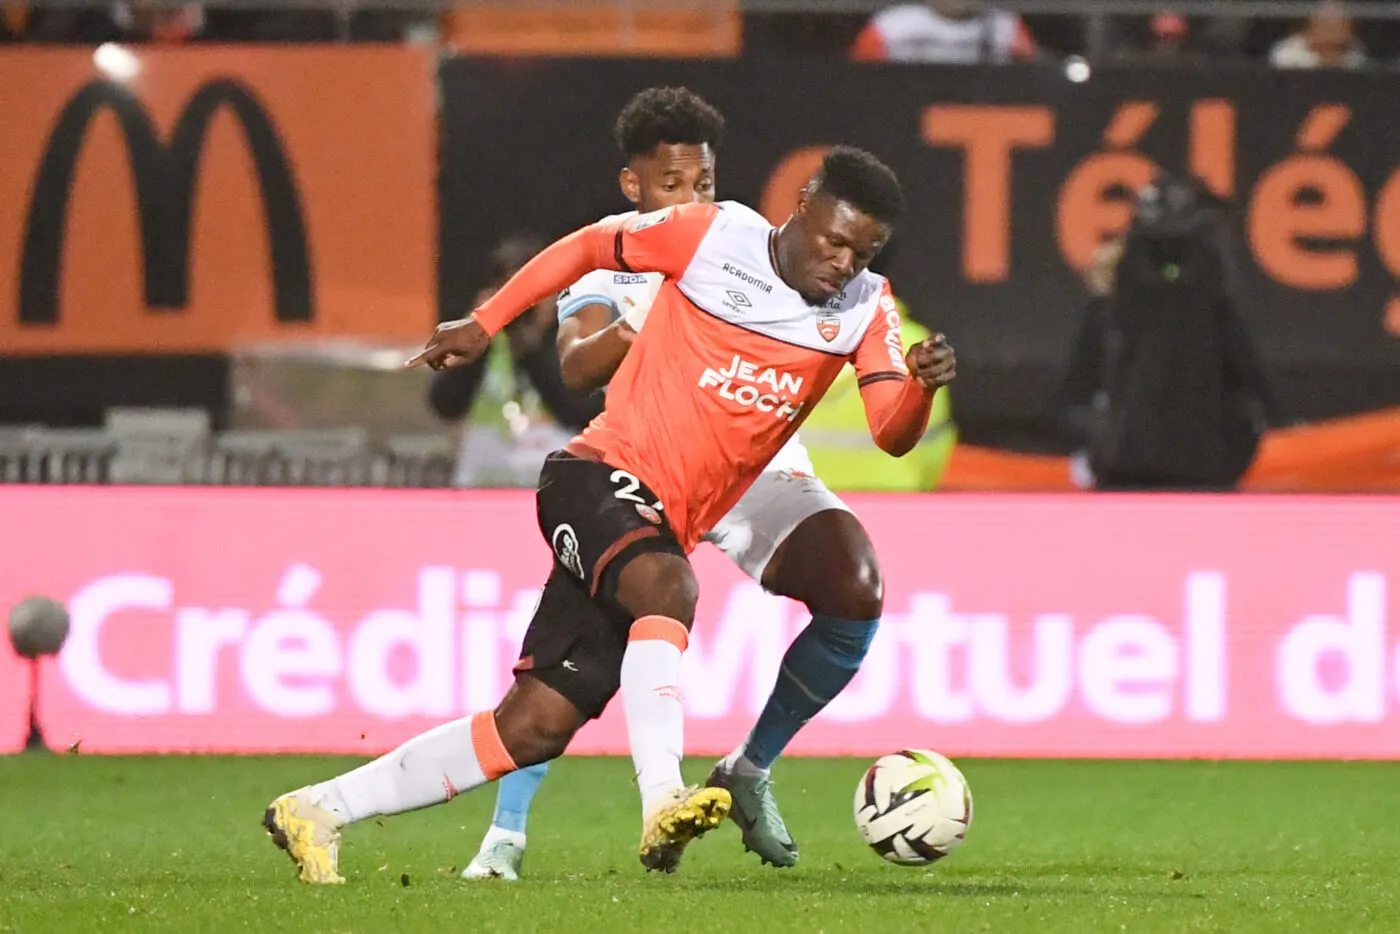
(781, 499)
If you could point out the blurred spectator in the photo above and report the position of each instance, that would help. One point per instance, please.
(1083, 395)
(502, 444)
(1164, 389)
(115, 22)
(951, 32)
(21, 22)
(141, 21)
(1327, 41)
(144, 21)
(1170, 38)
(1170, 35)
(148, 21)
(531, 340)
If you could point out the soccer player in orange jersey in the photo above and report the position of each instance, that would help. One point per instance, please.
(788, 532)
(749, 328)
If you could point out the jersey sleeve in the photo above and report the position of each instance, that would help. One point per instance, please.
(897, 406)
(663, 241)
(880, 354)
(596, 288)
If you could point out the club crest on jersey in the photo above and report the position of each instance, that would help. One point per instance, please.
(643, 221)
(649, 514)
(828, 326)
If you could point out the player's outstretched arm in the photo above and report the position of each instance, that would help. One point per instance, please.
(453, 344)
(663, 241)
(456, 343)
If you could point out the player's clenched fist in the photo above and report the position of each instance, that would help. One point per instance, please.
(932, 362)
(454, 343)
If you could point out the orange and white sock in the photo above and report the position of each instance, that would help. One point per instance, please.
(431, 768)
(651, 700)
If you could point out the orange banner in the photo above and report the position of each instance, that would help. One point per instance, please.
(1355, 454)
(178, 201)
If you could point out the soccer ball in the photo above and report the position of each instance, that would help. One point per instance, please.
(38, 626)
(913, 807)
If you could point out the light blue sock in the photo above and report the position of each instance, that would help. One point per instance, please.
(514, 793)
(821, 661)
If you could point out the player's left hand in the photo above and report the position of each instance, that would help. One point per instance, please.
(454, 343)
(932, 362)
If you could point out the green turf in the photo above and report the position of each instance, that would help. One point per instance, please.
(174, 844)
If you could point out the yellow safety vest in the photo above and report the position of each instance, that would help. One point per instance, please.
(846, 457)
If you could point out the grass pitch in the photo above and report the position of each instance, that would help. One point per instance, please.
(174, 844)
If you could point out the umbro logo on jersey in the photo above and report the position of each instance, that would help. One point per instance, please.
(828, 326)
(739, 298)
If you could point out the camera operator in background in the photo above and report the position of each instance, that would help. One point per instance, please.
(1164, 389)
(502, 444)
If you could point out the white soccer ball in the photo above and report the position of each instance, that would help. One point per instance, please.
(913, 807)
(38, 626)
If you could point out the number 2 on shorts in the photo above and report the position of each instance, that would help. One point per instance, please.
(627, 486)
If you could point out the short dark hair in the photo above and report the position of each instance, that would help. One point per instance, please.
(666, 115)
(863, 181)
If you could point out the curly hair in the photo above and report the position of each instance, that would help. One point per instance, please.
(863, 181)
(666, 115)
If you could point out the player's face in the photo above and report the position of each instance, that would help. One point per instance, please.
(674, 173)
(837, 242)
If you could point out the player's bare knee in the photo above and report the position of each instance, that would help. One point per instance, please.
(829, 564)
(535, 740)
(535, 722)
(549, 740)
(657, 584)
(862, 594)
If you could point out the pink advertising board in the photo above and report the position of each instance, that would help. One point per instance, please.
(225, 620)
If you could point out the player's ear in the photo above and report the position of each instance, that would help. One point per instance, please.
(631, 185)
(803, 196)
